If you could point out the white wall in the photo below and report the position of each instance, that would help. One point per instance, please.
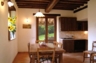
(29, 35)
(82, 15)
(91, 22)
(8, 49)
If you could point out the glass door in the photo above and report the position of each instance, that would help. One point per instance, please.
(46, 29)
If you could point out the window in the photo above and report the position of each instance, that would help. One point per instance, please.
(46, 28)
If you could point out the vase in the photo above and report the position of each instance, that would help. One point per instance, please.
(13, 33)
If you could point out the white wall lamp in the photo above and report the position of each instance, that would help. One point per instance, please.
(9, 3)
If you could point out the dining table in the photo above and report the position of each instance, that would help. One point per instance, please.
(33, 51)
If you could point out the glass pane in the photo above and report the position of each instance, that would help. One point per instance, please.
(41, 29)
(51, 29)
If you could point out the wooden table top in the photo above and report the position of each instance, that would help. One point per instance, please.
(33, 48)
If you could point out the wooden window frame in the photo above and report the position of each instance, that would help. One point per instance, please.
(55, 25)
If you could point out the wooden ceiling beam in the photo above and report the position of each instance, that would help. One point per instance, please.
(48, 5)
(51, 5)
(32, 0)
(74, 1)
(33, 6)
(62, 2)
(35, 3)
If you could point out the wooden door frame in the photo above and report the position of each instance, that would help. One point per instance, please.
(55, 25)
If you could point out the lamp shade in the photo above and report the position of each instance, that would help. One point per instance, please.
(10, 3)
(39, 14)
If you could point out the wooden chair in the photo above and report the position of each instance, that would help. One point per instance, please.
(89, 52)
(30, 55)
(93, 57)
(58, 44)
(45, 54)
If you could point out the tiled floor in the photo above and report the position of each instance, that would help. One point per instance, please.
(67, 58)
(74, 58)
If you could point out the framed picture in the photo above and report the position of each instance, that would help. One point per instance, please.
(11, 27)
(11, 23)
(27, 26)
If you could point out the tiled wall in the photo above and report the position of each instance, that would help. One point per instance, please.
(74, 34)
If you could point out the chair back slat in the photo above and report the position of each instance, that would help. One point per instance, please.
(28, 47)
(45, 53)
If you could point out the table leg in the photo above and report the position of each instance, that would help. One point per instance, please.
(60, 58)
(33, 59)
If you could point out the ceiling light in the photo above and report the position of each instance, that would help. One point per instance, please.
(39, 14)
(10, 3)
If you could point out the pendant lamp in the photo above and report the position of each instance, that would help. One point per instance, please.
(39, 14)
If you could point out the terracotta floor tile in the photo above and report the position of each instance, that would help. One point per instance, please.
(67, 58)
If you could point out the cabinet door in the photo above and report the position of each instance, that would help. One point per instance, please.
(68, 45)
(73, 24)
(82, 25)
(68, 23)
(64, 24)
(85, 25)
(79, 27)
(80, 45)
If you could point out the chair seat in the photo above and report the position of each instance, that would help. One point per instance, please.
(89, 52)
(93, 57)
